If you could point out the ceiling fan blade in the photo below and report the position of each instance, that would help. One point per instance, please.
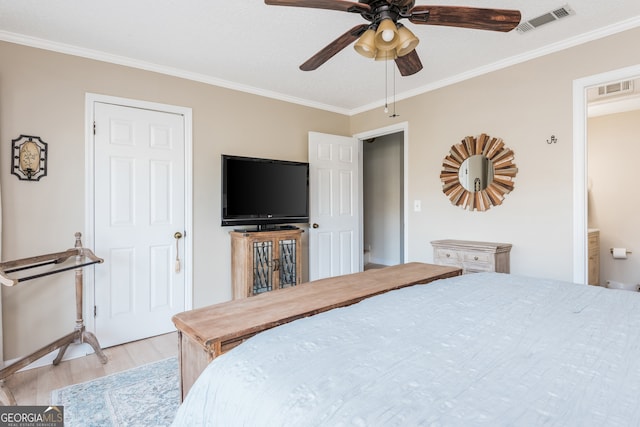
(402, 3)
(409, 64)
(342, 5)
(466, 17)
(334, 47)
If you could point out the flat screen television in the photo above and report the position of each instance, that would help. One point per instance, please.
(264, 192)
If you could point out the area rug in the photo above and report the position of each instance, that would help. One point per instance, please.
(148, 395)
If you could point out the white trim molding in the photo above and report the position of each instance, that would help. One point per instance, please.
(207, 79)
(580, 208)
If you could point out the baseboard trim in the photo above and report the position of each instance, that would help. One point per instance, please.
(381, 261)
(73, 352)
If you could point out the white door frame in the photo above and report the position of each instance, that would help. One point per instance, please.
(580, 211)
(88, 234)
(395, 128)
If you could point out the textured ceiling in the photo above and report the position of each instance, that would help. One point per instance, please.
(247, 45)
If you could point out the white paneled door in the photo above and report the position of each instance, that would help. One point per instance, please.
(334, 206)
(139, 209)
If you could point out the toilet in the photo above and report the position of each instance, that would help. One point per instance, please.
(612, 284)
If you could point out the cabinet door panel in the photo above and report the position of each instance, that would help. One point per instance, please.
(287, 255)
(262, 267)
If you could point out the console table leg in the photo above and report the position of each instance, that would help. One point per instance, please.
(6, 397)
(91, 339)
(61, 353)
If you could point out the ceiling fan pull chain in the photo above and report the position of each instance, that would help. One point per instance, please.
(394, 92)
(386, 82)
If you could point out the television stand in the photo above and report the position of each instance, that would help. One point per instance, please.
(264, 261)
(267, 227)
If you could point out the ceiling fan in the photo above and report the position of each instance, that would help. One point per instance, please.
(384, 38)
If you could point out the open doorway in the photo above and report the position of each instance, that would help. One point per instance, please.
(580, 169)
(613, 126)
(384, 193)
(383, 200)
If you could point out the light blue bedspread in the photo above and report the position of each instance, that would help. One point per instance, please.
(484, 349)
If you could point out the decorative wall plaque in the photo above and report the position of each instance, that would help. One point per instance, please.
(28, 158)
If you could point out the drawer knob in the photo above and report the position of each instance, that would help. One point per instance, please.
(448, 255)
(475, 258)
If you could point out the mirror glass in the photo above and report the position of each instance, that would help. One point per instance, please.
(476, 173)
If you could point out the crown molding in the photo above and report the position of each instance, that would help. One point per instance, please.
(175, 72)
(514, 60)
(161, 69)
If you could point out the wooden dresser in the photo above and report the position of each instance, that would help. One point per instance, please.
(208, 332)
(472, 257)
(593, 244)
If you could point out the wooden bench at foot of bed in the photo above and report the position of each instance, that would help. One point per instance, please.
(205, 333)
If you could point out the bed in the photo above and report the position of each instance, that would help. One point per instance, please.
(482, 349)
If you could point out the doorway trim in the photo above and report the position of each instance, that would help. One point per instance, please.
(395, 128)
(580, 208)
(88, 233)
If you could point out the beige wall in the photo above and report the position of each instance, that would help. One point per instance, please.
(524, 104)
(43, 93)
(614, 149)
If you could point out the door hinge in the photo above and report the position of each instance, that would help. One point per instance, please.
(95, 311)
(94, 127)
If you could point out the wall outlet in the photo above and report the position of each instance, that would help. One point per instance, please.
(417, 205)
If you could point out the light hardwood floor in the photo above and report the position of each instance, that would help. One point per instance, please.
(34, 386)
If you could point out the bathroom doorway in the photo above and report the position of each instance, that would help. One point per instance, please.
(613, 126)
(580, 166)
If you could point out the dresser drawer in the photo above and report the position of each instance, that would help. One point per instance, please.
(477, 268)
(447, 255)
(472, 256)
(477, 257)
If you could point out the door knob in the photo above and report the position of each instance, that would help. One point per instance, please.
(315, 225)
(177, 235)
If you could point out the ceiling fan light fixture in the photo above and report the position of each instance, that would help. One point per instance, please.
(391, 41)
(386, 35)
(407, 41)
(386, 55)
(366, 45)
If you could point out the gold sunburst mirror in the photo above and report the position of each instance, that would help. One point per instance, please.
(478, 172)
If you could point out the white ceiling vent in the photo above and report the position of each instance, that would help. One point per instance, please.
(548, 17)
(616, 88)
